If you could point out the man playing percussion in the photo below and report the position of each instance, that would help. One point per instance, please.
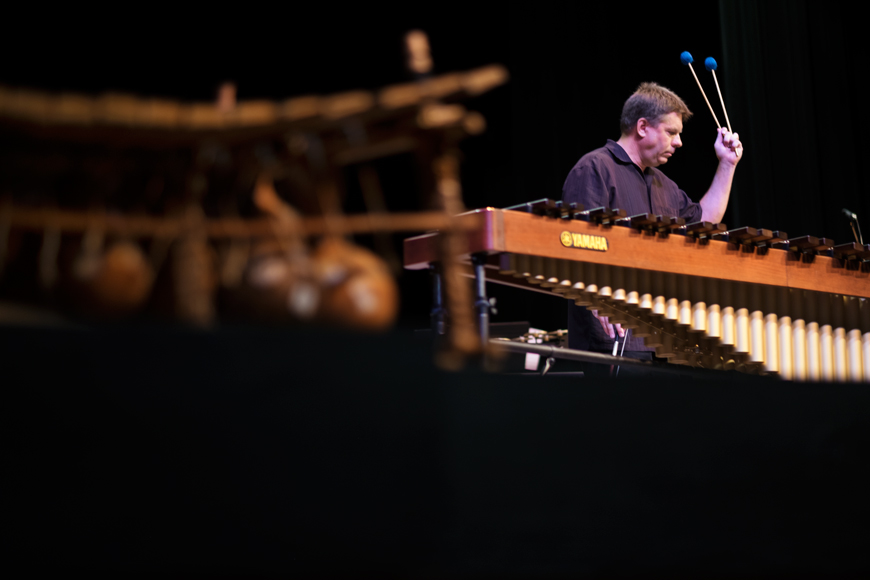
(623, 174)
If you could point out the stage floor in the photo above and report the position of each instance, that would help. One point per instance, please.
(326, 453)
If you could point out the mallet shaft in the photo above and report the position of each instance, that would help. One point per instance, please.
(721, 100)
(705, 95)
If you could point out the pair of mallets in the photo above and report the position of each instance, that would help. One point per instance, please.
(710, 65)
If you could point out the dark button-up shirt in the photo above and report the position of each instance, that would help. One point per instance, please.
(608, 177)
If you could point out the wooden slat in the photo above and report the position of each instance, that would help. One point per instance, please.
(144, 226)
(132, 112)
(522, 233)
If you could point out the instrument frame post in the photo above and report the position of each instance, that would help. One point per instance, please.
(438, 314)
(481, 302)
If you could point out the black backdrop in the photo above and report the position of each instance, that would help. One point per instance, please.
(786, 70)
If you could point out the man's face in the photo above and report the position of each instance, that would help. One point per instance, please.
(662, 140)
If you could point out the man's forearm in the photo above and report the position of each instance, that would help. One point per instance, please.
(715, 201)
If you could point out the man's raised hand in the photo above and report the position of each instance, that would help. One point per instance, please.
(728, 147)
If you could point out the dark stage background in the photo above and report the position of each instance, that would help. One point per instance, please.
(264, 451)
(788, 71)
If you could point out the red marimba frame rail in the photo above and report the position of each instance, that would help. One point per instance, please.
(523, 233)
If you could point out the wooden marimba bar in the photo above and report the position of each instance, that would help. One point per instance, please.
(704, 296)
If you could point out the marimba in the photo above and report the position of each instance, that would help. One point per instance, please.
(702, 295)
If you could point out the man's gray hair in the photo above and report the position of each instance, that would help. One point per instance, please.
(651, 101)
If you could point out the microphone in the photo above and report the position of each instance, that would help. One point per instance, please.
(853, 222)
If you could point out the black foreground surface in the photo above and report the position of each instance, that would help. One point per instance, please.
(275, 452)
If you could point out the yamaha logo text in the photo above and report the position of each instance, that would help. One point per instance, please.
(584, 241)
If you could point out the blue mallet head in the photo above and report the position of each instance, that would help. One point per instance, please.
(710, 63)
(686, 58)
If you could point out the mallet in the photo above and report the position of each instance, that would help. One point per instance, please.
(710, 64)
(686, 58)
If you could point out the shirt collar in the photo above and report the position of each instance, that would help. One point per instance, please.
(617, 151)
(620, 154)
